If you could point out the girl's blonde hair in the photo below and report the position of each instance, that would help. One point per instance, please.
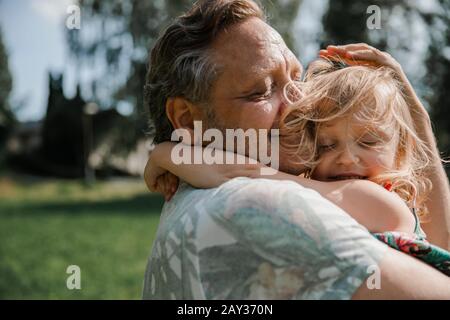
(371, 96)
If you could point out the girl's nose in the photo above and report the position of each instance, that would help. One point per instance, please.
(348, 157)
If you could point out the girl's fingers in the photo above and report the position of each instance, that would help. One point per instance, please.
(350, 47)
(173, 183)
(161, 185)
(169, 181)
(166, 186)
(152, 183)
(363, 55)
(359, 57)
(160, 189)
(336, 55)
(360, 54)
(149, 181)
(366, 57)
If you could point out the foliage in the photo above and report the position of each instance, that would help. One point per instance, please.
(6, 116)
(438, 78)
(124, 33)
(7, 119)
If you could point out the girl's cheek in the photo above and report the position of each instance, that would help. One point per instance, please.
(385, 161)
(322, 167)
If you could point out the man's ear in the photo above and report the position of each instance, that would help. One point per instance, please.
(181, 113)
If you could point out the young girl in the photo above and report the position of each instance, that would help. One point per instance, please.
(361, 128)
(355, 124)
(351, 123)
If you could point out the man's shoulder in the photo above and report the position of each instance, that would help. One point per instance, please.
(262, 193)
(259, 182)
(245, 195)
(252, 187)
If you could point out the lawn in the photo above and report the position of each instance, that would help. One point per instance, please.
(46, 225)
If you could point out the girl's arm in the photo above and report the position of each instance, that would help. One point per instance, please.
(438, 203)
(369, 204)
(163, 165)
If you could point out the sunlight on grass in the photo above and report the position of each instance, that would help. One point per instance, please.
(45, 226)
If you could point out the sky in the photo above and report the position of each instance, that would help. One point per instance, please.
(34, 37)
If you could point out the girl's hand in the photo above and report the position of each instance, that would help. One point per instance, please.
(160, 164)
(152, 172)
(159, 179)
(361, 54)
(167, 185)
(213, 175)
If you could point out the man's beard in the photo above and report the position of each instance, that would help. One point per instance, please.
(285, 162)
(214, 122)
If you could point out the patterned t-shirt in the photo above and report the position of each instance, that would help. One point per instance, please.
(258, 239)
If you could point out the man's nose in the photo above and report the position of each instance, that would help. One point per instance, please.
(282, 107)
(289, 94)
(292, 92)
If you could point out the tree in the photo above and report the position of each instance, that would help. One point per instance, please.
(7, 119)
(438, 77)
(119, 35)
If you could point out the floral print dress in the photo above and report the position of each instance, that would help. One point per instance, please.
(417, 246)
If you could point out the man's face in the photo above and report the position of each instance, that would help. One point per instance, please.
(255, 66)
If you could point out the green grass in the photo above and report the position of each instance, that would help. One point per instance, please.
(45, 226)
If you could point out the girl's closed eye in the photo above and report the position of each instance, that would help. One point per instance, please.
(371, 140)
(326, 145)
(369, 143)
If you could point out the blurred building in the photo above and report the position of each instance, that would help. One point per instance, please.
(58, 145)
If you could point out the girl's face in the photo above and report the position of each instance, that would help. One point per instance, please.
(348, 150)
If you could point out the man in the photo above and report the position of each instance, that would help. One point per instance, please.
(221, 64)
